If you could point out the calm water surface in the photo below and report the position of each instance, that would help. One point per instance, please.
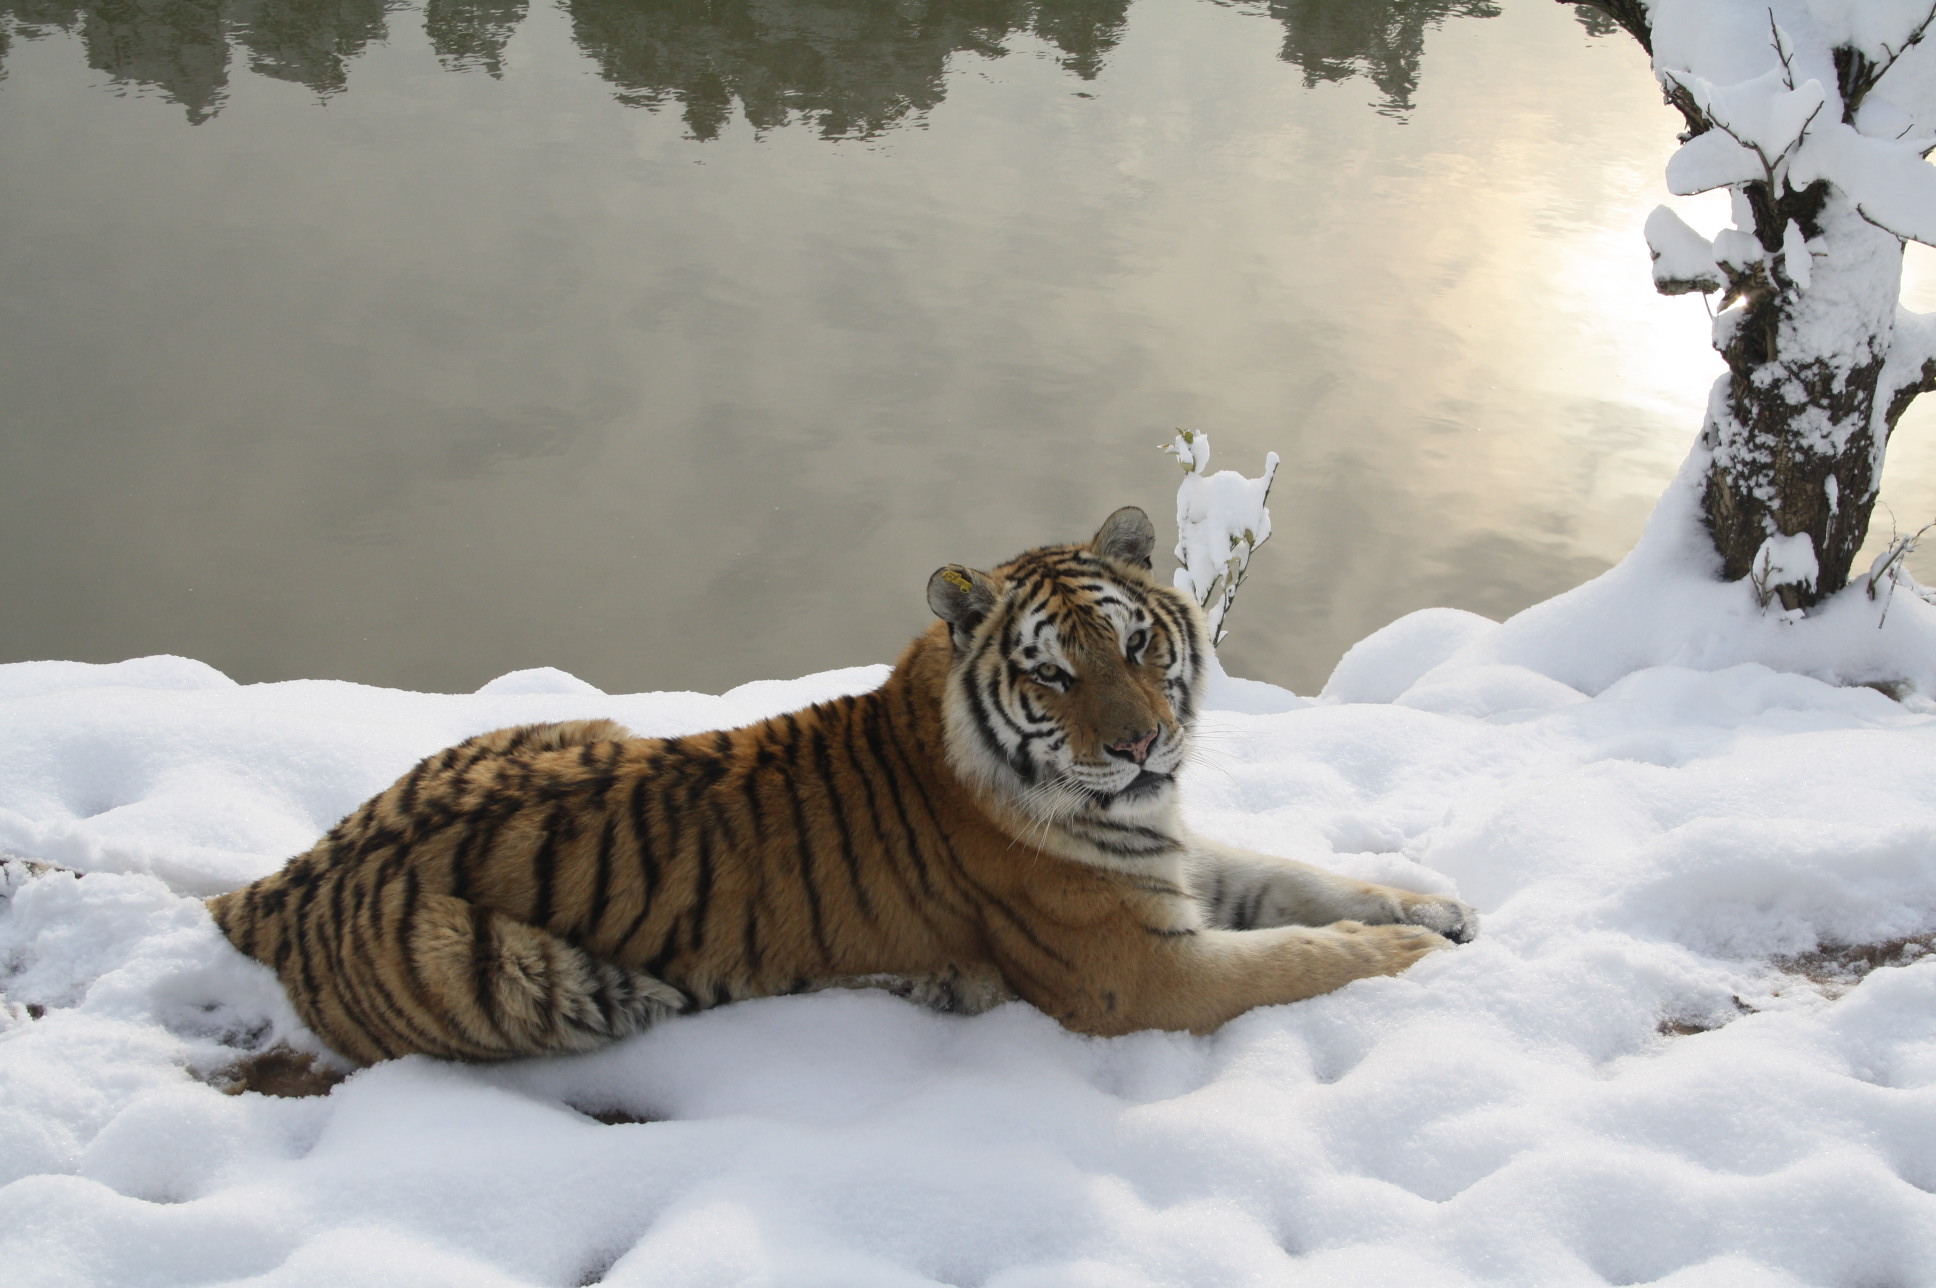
(674, 344)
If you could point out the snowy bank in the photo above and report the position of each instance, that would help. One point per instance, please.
(1663, 605)
(1647, 1069)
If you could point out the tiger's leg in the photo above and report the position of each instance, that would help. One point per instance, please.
(1243, 890)
(1119, 976)
(950, 991)
(391, 972)
(509, 989)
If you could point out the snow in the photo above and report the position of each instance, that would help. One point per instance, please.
(1888, 179)
(1787, 560)
(1915, 346)
(1683, 259)
(1795, 255)
(1661, 800)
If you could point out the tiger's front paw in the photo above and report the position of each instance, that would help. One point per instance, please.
(1391, 947)
(1457, 921)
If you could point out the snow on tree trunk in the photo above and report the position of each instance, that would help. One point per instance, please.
(1816, 116)
(1220, 520)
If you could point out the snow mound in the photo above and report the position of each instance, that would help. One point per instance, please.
(539, 679)
(1387, 662)
(1663, 605)
(1628, 1078)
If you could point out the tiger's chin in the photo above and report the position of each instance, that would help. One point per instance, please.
(1148, 799)
(1147, 783)
(1148, 787)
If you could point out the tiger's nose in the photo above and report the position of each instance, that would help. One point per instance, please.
(1136, 747)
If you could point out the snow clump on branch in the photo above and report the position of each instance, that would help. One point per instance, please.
(1221, 519)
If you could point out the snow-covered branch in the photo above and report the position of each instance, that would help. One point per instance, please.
(1221, 519)
(1858, 70)
(1683, 259)
(1911, 368)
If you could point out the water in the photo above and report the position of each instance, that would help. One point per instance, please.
(674, 344)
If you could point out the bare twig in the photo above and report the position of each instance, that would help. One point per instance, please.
(1781, 51)
(1759, 580)
(1889, 565)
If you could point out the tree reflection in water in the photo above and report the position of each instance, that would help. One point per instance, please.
(853, 69)
(850, 68)
(1332, 40)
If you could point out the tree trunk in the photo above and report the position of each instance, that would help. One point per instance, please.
(1795, 441)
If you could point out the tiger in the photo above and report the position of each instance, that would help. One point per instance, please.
(998, 820)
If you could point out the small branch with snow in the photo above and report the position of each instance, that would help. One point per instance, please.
(1221, 519)
(1891, 568)
(1683, 259)
(1901, 234)
(1857, 72)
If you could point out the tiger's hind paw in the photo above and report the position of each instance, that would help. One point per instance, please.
(619, 1001)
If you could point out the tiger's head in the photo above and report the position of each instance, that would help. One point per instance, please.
(1073, 684)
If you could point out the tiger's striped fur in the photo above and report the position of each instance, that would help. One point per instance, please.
(998, 819)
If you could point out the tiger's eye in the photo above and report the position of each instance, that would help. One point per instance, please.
(1136, 641)
(1049, 673)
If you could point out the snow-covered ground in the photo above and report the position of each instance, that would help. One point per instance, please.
(1661, 1062)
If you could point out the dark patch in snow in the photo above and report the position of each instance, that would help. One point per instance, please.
(1837, 968)
(595, 1273)
(17, 870)
(218, 1021)
(613, 1118)
(1681, 1026)
(279, 1071)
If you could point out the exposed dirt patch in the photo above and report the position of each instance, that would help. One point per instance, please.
(1681, 1026)
(1831, 971)
(17, 870)
(1837, 968)
(279, 1071)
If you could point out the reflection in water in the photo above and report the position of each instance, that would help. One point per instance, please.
(852, 67)
(472, 33)
(183, 47)
(1382, 40)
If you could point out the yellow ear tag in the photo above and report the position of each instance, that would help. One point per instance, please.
(958, 580)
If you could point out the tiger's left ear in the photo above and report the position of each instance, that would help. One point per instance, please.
(961, 597)
(1126, 536)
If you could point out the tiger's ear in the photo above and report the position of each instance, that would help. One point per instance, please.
(961, 597)
(1126, 536)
